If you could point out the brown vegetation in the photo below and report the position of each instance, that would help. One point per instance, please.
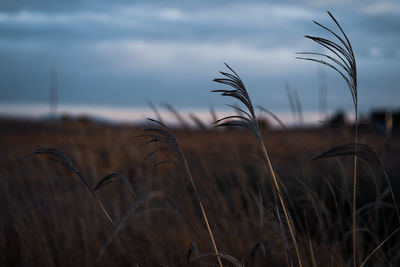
(48, 217)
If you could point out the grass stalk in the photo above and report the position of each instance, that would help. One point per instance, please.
(282, 231)
(340, 57)
(355, 193)
(203, 212)
(378, 247)
(59, 157)
(163, 135)
(270, 169)
(249, 120)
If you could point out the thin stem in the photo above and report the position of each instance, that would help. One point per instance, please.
(92, 192)
(112, 223)
(268, 165)
(203, 212)
(355, 193)
(378, 247)
(283, 233)
(163, 135)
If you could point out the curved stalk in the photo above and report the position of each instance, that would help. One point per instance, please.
(163, 135)
(248, 120)
(343, 62)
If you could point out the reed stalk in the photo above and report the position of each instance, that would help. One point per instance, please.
(163, 135)
(249, 121)
(342, 60)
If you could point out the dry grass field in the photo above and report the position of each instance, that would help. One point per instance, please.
(49, 218)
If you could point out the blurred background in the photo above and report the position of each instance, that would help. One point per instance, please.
(109, 59)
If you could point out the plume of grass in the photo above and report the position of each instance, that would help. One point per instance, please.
(161, 134)
(276, 118)
(198, 122)
(249, 121)
(155, 110)
(177, 115)
(59, 157)
(343, 61)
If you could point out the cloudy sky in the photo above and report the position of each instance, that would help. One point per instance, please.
(124, 53)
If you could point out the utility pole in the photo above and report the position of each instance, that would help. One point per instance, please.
(53, 93)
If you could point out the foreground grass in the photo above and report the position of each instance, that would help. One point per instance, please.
(48, 218)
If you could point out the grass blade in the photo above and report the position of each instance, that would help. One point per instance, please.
(115, 177)
(121, 222)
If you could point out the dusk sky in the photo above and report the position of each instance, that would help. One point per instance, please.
(124, 53)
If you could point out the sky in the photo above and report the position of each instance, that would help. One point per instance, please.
(125, 53)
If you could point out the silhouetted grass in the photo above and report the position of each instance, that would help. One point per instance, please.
(50, 219)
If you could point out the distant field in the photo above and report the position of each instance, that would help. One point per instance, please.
(50, 219)
(113, 114)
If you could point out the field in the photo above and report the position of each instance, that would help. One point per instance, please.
(49, 218)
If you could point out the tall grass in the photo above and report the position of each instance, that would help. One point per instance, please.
(343, 62)
(55, 220)
(59, 157)
(163, 135)
(249, 121)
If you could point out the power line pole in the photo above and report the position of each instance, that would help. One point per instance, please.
(53, 93)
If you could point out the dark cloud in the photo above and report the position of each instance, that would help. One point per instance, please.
(125, 52)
